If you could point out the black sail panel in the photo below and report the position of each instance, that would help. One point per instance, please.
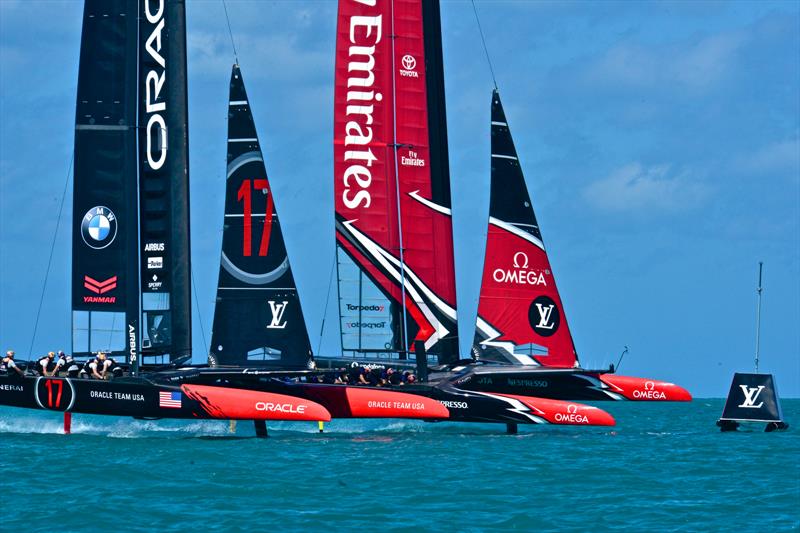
(258, 320)
(105, 280)
(164, 180)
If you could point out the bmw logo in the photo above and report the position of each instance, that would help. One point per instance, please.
(99, 227)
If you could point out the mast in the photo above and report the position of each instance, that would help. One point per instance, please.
(258, 319)
(164, 180)
(105, 264)
(758, 313)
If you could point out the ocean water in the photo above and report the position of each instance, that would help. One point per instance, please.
(664, 467)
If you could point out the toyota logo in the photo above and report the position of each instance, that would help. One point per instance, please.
(409, 62)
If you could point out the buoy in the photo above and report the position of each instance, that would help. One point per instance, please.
(321, 426)
(67, 422)
(232, 427)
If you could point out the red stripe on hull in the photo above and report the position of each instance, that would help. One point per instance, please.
(356, 402)
(645, 390)
(239, 404)
(565, 413)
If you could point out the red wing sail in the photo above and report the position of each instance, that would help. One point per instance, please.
(521, 318)
(393, 229)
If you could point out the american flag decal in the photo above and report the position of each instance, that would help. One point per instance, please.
(169, 399)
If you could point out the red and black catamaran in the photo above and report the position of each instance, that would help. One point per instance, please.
(131, 272)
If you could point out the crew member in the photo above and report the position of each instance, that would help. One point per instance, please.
(47, 364)
(8, 364)
(93, 366)
(66, 363)
(109, 366)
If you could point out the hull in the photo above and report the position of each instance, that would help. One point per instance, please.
(440, 401)
(247, 394)
(562, 384)
(141, 398)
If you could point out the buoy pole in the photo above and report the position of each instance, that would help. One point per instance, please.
(67, 422)
(321, 426)
(758, 313)
(232, 426)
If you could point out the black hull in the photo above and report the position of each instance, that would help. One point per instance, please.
(135, 397)
(210, 393)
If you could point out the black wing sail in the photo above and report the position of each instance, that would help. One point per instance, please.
(258, 320)
(105, 277)
(164, 180)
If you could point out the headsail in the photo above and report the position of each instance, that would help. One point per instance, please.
(393, 226)
(105, 270)
(164, 180)
(258, 320)
(521, 318)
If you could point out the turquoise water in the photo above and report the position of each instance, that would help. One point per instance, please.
(665, 467)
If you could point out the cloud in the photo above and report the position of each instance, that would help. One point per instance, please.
(635, 188)
(698, 63)
(780, 157)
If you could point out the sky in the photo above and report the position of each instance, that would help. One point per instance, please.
(660, 143)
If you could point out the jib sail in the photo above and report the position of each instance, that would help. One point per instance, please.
(105, 270)
(164, 180)
(258, 320)
(393, 226)
(521, 317)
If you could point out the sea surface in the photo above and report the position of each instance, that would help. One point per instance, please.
(664, 467)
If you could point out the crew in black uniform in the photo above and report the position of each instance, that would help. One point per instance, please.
(8, 364)
(92, 367)
(65, 363)
(46, 366)
(109, 366)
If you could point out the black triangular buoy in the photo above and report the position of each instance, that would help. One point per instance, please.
(752, 398)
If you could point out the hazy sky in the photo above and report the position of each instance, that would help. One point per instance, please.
(660, 142)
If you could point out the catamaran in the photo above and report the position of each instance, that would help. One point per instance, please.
(131, 268)
(394, 244)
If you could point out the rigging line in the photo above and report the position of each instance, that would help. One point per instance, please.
(485, 49)
(327, 301)
(230, 32)
(50, 259)
(199, 315)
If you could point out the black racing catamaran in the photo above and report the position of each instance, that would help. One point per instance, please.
(131, 194)
(394, 245)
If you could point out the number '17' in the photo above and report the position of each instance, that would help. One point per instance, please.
(245, 194)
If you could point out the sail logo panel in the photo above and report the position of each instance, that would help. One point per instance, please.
(394, 249)
(104, 275)
(258, 319)
(521, 317)
(164, 179)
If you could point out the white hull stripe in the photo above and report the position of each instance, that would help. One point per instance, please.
(496, 123)
(253, 140)
(501, 156)
(238, 102)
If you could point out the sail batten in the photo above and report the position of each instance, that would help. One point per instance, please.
(521, 317)
(258, 319)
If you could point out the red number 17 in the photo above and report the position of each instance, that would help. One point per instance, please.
(245, 194)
